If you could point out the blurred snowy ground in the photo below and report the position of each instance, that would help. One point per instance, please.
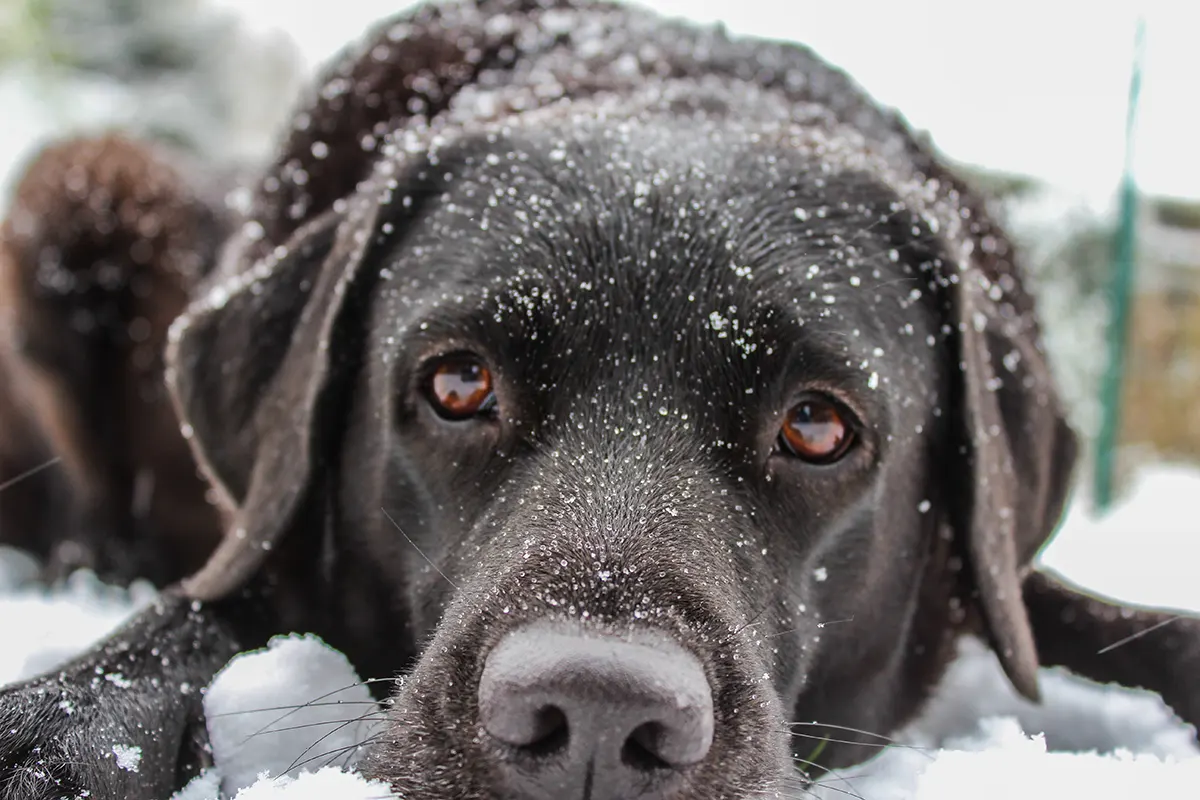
(977, 739)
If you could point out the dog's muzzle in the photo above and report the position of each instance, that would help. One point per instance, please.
(584, 714)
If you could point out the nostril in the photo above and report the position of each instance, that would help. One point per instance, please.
(567, 707)
(531, 727)
(549, 734)
(641, 750)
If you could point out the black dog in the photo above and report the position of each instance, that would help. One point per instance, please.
(583, 366)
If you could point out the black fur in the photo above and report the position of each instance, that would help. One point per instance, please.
(657, 237)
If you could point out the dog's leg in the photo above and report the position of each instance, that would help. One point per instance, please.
(1112, 643)
(104, 240)
(124, 720)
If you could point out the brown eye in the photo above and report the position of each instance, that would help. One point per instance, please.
(460, 387)
(817, 430)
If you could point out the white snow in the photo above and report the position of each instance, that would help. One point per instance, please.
(129, 757)
(1003, 762)
(1146, 549)
(978, 739)
(43, 628)
(272, 710)
(286, 723)
(318, 785)
(298, 704)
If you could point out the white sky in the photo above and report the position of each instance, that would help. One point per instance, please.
(1033, 86)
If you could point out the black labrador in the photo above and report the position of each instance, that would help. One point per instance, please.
(584, 367)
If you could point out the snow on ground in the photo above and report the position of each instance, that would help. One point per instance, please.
(339, 715)
(976, 739)
(40, 629)
(1146, 549)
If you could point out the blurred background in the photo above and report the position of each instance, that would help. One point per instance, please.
(1032, 99)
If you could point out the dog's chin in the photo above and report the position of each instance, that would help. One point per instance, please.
(434, 744)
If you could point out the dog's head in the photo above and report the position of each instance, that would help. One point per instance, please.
(654, 390)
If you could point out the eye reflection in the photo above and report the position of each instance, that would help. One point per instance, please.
(816, 430)
(460, 387)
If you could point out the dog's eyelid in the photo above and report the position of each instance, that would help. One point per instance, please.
(424, 357)
(858, 410)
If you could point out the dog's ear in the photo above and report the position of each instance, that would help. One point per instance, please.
(249, 368)
(250, 361)
(404, 71)
(1019, 445)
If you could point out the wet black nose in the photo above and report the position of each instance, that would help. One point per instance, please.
(594, 716)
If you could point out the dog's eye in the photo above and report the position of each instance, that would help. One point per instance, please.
(460, 387)
(817, 430)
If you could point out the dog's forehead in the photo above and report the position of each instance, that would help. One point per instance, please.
(682, 241)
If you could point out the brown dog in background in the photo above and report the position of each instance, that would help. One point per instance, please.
(102, 244)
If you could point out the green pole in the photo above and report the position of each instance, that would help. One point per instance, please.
(1120, 289)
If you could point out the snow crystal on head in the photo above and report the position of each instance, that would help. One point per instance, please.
(128, 757)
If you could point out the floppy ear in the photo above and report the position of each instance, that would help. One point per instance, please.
(250, 367)
(1019, 446)
(405, 69)
(250, 362)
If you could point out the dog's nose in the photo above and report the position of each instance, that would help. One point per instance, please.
(580, 712)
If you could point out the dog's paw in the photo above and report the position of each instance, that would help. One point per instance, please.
(50, 748)
(34, 765)
(67, 737)
(124, 720)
